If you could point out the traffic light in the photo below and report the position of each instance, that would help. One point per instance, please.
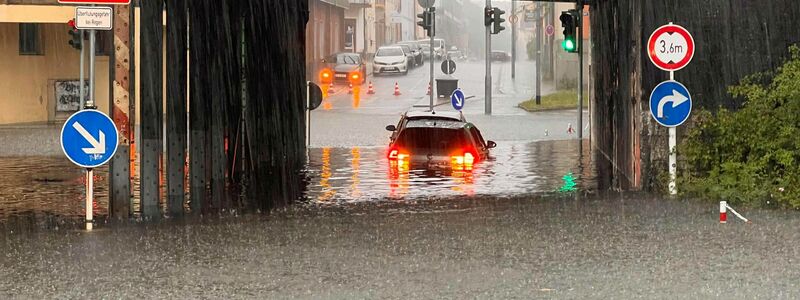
(426, 22)
(488, 12)
(75, 40)
(569, 21)
(497, 19)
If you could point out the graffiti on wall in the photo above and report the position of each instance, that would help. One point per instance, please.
(68, 95)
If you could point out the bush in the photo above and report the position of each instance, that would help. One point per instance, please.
(750, 156)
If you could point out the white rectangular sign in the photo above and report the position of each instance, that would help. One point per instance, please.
(98, 17)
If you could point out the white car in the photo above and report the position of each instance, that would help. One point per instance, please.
(390, 59)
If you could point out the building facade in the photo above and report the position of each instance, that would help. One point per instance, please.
(39, 70)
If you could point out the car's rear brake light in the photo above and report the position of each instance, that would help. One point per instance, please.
(463, 161)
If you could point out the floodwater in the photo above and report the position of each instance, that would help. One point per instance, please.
(515, 168)
(49, 191)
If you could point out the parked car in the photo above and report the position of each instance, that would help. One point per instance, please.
(419, 58)
(390, 59)
(455, 54)
(439, 48)
(409, 55)
(498, 55)
(345, 67)
(436, 141)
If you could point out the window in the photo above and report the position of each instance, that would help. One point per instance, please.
(30, 39)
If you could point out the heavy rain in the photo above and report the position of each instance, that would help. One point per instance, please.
(400, 149)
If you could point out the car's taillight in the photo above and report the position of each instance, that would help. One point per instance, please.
(393, 154)
(463, 161)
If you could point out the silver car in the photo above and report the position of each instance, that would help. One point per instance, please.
(390, 59)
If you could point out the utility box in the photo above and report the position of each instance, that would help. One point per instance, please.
(446, 86)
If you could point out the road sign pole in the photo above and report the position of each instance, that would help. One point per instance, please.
(488, 78)
(673, 156)
(308, 115)
(89, 199)
(92, 37)
(82, 81)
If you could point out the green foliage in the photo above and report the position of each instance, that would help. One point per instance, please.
(750, 156)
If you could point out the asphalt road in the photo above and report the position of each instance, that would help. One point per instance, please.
(620, 247)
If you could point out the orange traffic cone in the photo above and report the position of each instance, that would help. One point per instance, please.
(330, 88)
(350, 90)
(370, 90)
(429, 89)
(396, 89)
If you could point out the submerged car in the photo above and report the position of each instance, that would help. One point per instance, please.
(344, 68)
(390, 59)
(435, 141)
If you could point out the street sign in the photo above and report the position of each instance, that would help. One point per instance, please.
(98, 18)
(314, 96)
(457, 99)
(101, 2)
(670, 47)
(89, 138)
(426, 3)
(549, 30)
(670, 103)
(448, 67)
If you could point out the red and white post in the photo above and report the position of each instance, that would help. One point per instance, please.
(723, 212)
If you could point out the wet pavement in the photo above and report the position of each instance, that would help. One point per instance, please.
(621, 247)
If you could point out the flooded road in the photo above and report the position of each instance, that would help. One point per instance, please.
(515, 168)
(49, 190)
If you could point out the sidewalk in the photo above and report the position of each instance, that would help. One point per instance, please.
(39, 139)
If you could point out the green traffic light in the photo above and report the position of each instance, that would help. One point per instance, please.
(569, 45)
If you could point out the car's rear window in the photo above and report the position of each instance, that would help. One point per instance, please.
(438, 140)
(390, 52)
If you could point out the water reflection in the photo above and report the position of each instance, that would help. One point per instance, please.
(364, 174)
(51, 188)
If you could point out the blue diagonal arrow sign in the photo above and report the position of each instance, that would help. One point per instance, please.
(89, 138)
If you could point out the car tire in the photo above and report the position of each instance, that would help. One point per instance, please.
(406, 72)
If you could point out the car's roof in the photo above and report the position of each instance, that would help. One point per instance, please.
(389, 47)
(455, 116)
(441, 124)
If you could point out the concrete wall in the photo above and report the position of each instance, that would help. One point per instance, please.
(26, 81)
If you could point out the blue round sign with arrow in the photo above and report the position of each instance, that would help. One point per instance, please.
(670, 103)
(457, 99)
(89, 138)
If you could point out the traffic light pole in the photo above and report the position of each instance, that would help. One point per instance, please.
(488, 87)
(433, 33)
(580, 72)
(538, 37)
(513, 41)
